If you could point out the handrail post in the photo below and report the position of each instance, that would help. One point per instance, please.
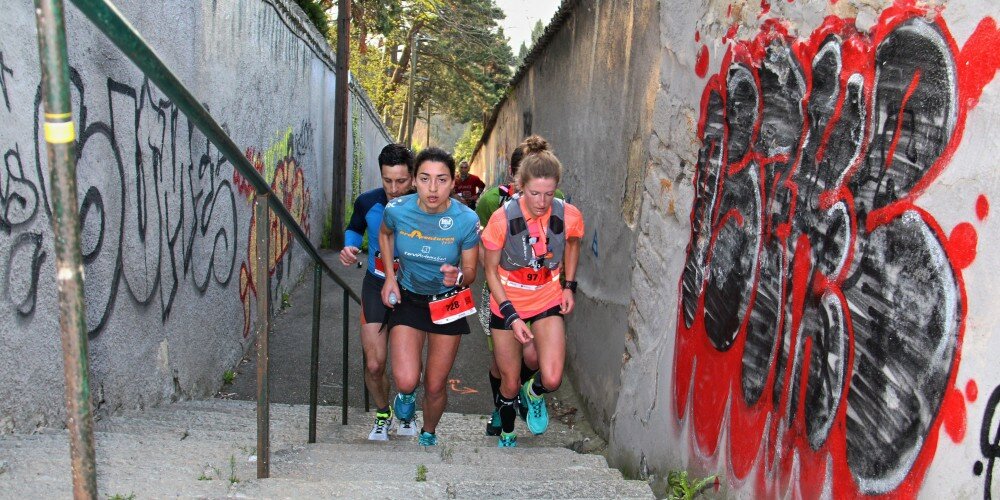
(343, 400)
(314, 356)
(60, 138)
(262, 276)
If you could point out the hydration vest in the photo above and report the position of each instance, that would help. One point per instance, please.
(506, 192)
(517, 251)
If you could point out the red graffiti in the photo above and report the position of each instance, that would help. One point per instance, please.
(765, 7)
(982, 207)
(288, 185)
(963, 242)
(971, 391)
(701, 66)
(821, 308)
(953, 412)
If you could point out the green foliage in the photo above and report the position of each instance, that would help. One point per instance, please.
(285, 300)
(228, 377)
(317, 14)
(232, 470)
(679, 487)
(536, 32)
(464, 70)
(421, 473)
(119, 496)
(467, 143)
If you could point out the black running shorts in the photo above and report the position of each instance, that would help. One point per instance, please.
(413, 312)
(497, 322)
(372, 308)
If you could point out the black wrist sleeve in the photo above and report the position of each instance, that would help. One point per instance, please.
(509, 314)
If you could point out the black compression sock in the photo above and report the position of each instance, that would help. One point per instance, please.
(508, 413)
(526, 373)
(495, 386)
(537, 387)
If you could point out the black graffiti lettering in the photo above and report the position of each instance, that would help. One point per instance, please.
(4, 71)
(989, 445)
(26, 305)
(18, 195)
(168, 215)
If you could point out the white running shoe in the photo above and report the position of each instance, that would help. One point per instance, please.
(383, 424)
(408, 428)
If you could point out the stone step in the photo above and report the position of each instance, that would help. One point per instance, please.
(304, 468)
(282, 488)
(204, 448)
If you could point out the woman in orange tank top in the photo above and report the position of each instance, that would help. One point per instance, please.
(531, 243)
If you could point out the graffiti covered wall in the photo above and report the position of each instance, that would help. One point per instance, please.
(820, 194)
(167, 226)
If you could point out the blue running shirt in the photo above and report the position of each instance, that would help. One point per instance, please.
(367, 216)
(426, 241)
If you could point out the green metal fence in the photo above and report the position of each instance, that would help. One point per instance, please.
(60, 137)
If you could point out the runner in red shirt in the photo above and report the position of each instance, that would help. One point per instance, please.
(468, 187)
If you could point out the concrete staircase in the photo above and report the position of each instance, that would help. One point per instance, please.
(207, 449)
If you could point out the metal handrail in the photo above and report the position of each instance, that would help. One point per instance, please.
(61, 152)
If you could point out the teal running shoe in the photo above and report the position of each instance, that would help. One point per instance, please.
(427, 439)
(404, 405)
(538, 415)
(507, 440)
(493, 427)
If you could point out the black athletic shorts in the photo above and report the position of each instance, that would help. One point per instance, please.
(413, 312)
(372, 308)
(497, 321)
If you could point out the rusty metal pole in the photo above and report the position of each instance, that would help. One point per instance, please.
(346, 346)
(314, 354)
(60, 137)
(261, 277)
(341, 126)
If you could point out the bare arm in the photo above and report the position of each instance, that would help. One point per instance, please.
(387, 245)
(571, 257)
(521, 331)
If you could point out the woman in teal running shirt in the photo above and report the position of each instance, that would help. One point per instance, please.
(436, 239)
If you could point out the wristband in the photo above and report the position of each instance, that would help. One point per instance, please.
(509, 314)
(570, 285)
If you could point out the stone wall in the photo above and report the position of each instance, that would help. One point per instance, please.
(813, 309)
(166, 222)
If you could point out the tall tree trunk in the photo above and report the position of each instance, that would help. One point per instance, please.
(359, 18)
(404, 60)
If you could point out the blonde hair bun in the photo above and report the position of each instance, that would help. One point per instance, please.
(535, 144)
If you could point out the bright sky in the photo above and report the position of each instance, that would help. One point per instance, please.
(521, 16)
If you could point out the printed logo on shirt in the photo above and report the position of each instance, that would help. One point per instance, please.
(425, 249)
(417, 234)
(446, 223)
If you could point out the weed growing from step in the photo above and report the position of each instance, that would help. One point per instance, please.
(421, 473)
(119, 496)
(447, 453)
(680, 487)
(207, 470)
(232, 470)
(285, 300)
(228, 377)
